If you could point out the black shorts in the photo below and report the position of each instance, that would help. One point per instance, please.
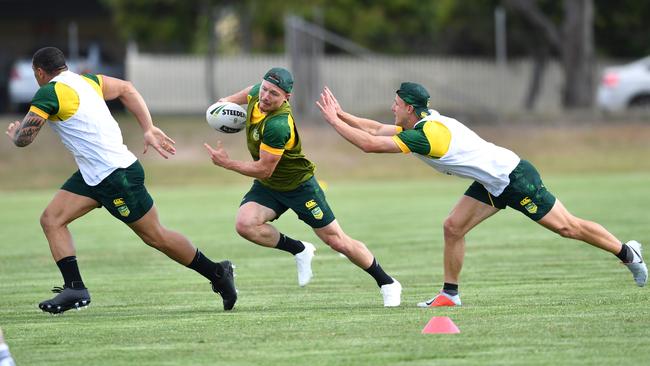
(307, 201)
(122, 193)
(525, 193)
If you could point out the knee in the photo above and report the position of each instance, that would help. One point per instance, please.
(49, 221)
(154, 237)
(339, 244)
(150, 241)
(452, 229)
(569, 230)
(245, 228)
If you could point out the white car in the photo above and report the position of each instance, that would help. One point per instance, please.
(23, 86)
(625, 87)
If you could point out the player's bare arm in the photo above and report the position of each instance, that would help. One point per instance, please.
(358, 137)
(261, 169)
(113, 88)
(371, 126)
(238, 98)
(23, 133)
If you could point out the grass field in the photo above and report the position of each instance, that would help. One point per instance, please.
(529, 296)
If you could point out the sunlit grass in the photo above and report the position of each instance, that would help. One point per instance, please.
(530, 297)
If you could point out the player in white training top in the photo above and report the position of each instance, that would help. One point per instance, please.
(500, 177)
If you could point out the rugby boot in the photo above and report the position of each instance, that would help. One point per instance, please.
(303, 262)
(442, 299)
(637, 266)
(67, 298)
(392, 294)
(225, 285)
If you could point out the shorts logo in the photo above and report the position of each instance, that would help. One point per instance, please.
(318, 214)
(529, 205)
(315, 210)
(122, 208)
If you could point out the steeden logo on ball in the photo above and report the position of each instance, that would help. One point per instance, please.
(226, 117)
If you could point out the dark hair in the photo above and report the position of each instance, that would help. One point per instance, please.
(50, 59)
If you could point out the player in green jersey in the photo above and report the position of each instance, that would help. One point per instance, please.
(284, 179)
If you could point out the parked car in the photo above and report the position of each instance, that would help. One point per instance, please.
(23, 86)
(625, 87)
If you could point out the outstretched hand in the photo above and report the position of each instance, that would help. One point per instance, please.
(328, 106)
(219, 155)
(157, 139)
(331, 96)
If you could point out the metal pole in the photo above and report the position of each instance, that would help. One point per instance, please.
(73, 41)
(212, 47)
(500, 36)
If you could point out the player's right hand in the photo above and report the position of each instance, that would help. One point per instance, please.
(12, 129)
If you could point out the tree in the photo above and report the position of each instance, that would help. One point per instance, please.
(621, 28)
(158, 25)
(573, 42)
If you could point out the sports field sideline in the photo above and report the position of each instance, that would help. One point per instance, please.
(530, 297)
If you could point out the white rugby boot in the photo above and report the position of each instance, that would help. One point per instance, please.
(441, 299)
(303, 262)
(637, 266)
(392, 294)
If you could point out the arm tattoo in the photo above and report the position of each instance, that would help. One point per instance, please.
(28, 129)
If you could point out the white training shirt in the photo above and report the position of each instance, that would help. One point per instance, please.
(91, 133)
(467, 156)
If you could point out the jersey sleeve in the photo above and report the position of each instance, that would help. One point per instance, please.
(94, 78)
(96, 82)
(413, 141)
(255, 91)
(277, 133)
(45, 102)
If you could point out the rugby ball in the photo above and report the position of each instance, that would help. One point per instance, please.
(226, 117)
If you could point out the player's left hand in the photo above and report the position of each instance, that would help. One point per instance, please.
(219, 155)
(327, 107)
(157, 139)
(332, 99)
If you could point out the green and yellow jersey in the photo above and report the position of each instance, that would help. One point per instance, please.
(429, 138)
(75, 108)
(451, 148)
(277, 134)
(56, 101)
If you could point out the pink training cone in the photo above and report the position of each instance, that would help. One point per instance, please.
(440, 325)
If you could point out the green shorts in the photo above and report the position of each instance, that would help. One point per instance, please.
(307, 201)
(526, 193)
(122, 193)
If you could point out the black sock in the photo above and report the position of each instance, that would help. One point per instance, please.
(450, 288)
(70, 271)
(287, 244)
(625, 255)
(206, 267)
(378, 274)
